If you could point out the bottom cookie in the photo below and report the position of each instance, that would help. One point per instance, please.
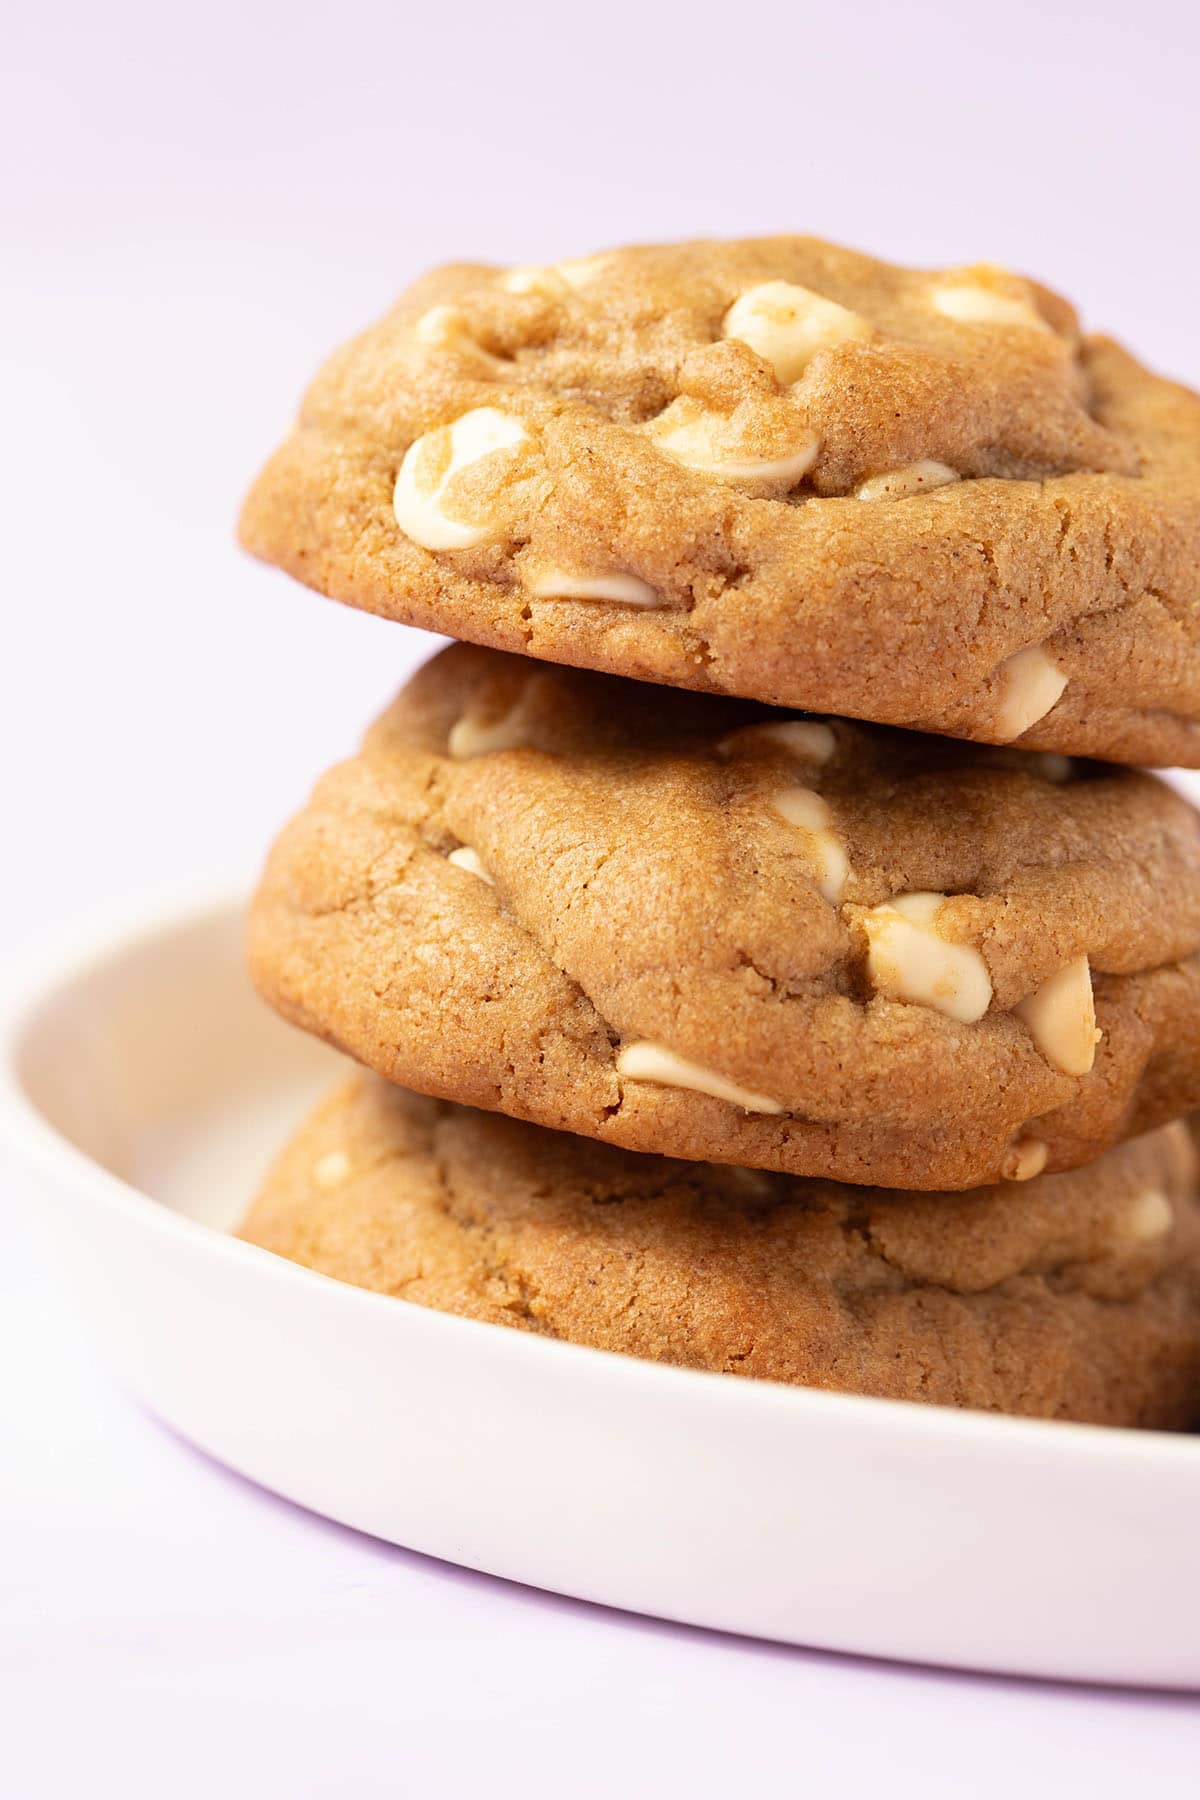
(1072, 1296)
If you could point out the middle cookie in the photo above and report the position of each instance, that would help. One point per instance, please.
(695, 927)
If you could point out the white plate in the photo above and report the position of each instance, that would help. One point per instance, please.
(150, 1088)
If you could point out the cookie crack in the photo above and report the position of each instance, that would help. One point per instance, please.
(1067, 1274)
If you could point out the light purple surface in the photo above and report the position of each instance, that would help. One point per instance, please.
(197, 204)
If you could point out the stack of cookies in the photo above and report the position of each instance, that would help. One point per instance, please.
(829, 1010)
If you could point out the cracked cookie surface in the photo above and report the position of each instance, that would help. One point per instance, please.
(1073, 1296)
(696, 927)
(770, 468)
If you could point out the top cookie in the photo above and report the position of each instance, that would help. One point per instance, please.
(776, 469)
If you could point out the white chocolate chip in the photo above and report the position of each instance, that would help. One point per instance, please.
(970, 303)
(1179, 1136)
(546, 283)
(579, 270)
(1150, 1215)
(901, 484)
(1026, 1158)
(471, 736)
(330, 1170)
(752, 1184)
(800, 806)
(446, 328)
(466, 858)
(1030, 684)
(430, 466)
(1061, 1016)
(712, 443)
(624, 590)
(440, 326)
(1051, 766)
(907, 959)
(808, 740)
(651, 1062)
(787, 325)
(554, 281)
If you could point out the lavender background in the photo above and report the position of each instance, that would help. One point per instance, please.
(201, 202)
(197, 203)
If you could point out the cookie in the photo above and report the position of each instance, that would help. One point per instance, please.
(775, 469)
(696, 927)
(1074, 1296)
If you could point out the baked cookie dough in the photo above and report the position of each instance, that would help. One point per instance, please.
(1074, 1296)
(691, 926)
(771, 468)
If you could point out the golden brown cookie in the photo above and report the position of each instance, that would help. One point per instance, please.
(1074, 1296)
(771, 468)
(690, 926)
